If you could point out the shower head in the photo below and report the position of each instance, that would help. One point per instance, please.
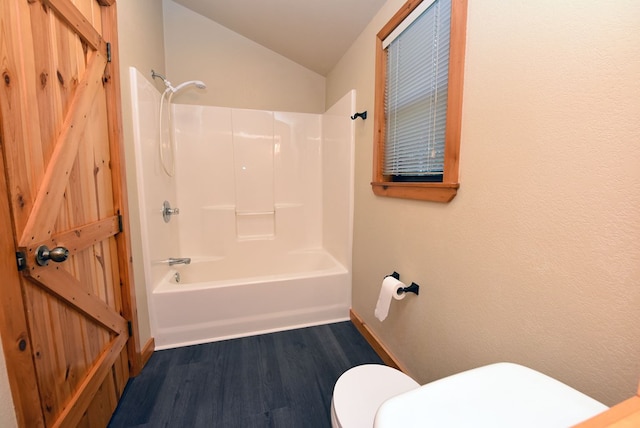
(197, 83)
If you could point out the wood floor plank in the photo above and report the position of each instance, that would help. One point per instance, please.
(282, 379)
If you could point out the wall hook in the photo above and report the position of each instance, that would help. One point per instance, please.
(362, 115)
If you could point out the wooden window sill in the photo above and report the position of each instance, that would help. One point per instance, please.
(435, 192)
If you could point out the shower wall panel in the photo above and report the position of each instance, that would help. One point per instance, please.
(338, 151)
(253, 172)
(298, 178)
(205, 177)
(247, 175)
(253, 160)
(159, 239)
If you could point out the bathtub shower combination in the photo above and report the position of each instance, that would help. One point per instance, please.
(256, 235)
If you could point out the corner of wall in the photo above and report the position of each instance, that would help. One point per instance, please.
(7, 411)
(141, 44)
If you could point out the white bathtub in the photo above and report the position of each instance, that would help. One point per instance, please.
(274, 292)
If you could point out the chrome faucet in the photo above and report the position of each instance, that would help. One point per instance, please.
(178, 261)
(167, 211)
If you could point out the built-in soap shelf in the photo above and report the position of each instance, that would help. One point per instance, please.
(258, 225)
(231, 207)
(283, 205)
(255, 213)
(219, 208)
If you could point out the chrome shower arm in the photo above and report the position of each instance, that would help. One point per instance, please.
(164, 79)
(178, 261)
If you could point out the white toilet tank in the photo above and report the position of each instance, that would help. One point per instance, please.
(502, 395)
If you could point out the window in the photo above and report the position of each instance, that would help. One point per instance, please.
(419, 75)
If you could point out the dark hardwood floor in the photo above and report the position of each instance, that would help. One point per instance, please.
(282, 379)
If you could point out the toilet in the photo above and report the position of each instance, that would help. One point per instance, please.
(501, 395)
(361, 390)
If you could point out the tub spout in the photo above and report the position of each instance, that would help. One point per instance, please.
(178, 261)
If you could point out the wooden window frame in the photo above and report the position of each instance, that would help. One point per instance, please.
(446, 190)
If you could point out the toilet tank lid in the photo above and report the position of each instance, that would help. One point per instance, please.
(497, 395)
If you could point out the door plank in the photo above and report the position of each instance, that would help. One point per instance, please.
(79, 238)
(16, 342)
(21, 132)
(79, 402)
(70, 64)
(121, 372)
(52, 324)
(70, 14)
(125, 260)
(65, 286)
(43, 323)
(49, 197)
(109, 258)
(102, 406)
(49, 108)
(74, 359)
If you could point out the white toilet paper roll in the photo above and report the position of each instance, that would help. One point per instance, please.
(388, 291)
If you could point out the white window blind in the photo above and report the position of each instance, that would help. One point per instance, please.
(416, 95)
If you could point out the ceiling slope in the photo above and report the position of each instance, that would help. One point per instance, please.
(312, 33)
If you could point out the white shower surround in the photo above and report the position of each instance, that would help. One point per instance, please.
(266, 209)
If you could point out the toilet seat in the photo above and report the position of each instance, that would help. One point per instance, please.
(361, 390)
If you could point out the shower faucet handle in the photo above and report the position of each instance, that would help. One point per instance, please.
(167, 211)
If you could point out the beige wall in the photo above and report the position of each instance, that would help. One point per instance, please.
(140, 35)
(537, 260)
(7, 411)
(238, 72)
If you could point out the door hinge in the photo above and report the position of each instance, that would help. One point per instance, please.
(120, 228)
(21, 260)
(130, 328)
(108, 52)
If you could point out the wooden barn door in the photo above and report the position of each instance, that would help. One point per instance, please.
(66, 292)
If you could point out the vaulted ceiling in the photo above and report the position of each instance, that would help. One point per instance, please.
(312, 33)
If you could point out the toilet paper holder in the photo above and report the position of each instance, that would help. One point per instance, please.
(413, 288)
